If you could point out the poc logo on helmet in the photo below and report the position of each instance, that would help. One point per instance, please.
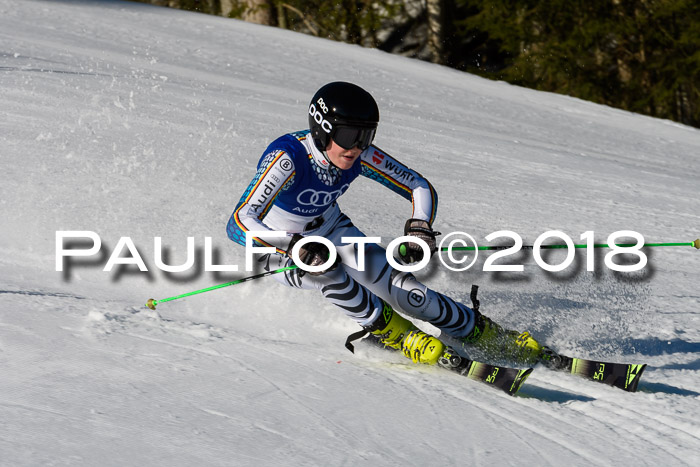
(318, 116)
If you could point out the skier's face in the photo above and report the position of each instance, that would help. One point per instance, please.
(342, 158)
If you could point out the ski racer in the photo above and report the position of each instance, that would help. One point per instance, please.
(296, 189)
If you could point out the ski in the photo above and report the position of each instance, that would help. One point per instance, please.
(620, 375)
(508, 380)
(504, 378)
(625, 376)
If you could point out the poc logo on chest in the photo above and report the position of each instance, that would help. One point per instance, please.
(318, 116)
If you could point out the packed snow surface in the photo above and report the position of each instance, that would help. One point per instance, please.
(135, 121)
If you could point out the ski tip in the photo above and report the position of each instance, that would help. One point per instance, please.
(151, 303)
(696, 243)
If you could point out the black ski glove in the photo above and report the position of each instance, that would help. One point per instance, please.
(312, 254)
(410, 252)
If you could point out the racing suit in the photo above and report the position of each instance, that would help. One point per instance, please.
(296, 190)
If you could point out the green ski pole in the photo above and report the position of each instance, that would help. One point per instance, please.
(695, 244)
(152, 302)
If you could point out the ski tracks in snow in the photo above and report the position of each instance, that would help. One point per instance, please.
(619, 422)
(267, 383)
(631, 422)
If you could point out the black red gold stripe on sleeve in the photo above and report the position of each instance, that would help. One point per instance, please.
(262, 242)
(264, 174)
(272, 201)
(383, 176)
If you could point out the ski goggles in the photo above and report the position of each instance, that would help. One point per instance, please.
(348, 137)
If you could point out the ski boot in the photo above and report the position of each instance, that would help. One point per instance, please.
(396, 332)
(555, 361)
(493, 342)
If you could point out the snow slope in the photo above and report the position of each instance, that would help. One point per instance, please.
(136, 121)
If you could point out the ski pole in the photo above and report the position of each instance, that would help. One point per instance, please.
(152, 302)
(695, 244)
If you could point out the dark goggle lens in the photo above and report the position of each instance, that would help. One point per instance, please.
(350, 137)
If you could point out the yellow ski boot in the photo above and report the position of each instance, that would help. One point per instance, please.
(497, 343)
(398, 333)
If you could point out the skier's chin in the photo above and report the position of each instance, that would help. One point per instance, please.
(345, 162)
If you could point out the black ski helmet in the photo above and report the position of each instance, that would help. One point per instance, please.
(341, 104)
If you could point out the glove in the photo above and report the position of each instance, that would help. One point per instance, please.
(410, 252)
(312, 254)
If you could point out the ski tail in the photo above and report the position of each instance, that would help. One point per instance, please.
(504, 378)
(620, 375)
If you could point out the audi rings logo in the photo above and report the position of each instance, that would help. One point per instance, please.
(319, 199)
